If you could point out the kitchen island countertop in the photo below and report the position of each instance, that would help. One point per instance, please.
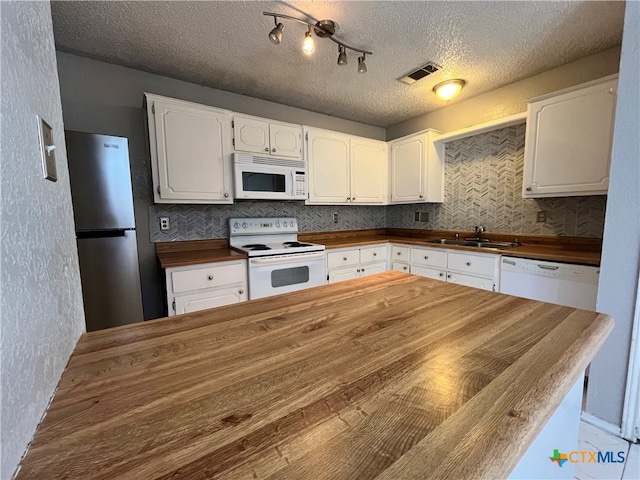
(389, 376)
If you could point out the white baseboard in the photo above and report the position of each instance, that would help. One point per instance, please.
(601, 424)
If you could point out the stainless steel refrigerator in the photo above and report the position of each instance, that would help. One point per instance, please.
(105, 229)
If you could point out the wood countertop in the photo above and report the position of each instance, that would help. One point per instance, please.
(391, 376)
(180, 254)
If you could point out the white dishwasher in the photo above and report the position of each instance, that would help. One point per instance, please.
(561, 283)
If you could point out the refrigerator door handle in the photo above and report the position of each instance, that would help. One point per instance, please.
(101, 233)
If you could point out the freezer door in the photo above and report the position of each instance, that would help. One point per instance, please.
(100, 181)
(110, 279)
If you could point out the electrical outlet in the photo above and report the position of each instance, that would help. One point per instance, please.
(420, 216)
(416, 216)
(334, 218)
(542, 216)
(164, 223)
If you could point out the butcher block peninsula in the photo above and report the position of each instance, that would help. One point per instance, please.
(391, 376)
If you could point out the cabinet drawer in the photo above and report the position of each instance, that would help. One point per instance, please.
(374, 254)
(202, 301)
(373, 268)
(214, 276)
(470, 281)
(401, 267)
(475, 264)
(429, 272)
(429, 257)
(343, 258)
(399, 253)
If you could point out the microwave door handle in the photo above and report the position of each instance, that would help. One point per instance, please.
(280, 260)
(293, 183)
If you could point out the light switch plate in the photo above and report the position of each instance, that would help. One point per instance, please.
(47, 150)
(541, 217)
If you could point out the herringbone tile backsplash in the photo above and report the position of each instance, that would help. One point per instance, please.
(483, 185)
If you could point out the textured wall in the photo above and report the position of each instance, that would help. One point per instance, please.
(102, 98)
(512, 98)
(618, 287)
(41, 299)
(198, 222)
(483, 186)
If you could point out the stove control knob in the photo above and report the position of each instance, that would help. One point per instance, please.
(244, 224)
(284, 224)
(278, 224)
(236, 225)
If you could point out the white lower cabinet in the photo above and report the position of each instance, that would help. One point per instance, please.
(350, 263)
(198, 287)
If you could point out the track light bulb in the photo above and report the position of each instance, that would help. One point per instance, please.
(362, 67)
(275, 35)
(342, 55)
(307, 45)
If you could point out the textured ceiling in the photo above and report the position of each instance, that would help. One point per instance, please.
(224, 44)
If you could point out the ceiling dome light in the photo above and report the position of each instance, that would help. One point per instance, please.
(342, 55)
(307, 45)
(275, 35)
(362, 67)
(448, 89)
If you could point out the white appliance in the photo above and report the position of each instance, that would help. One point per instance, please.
(278, 262)
(269, 178)
(561, 283)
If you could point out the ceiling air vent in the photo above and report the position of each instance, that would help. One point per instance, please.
(422, 72)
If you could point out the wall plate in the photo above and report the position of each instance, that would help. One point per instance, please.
(47, 150)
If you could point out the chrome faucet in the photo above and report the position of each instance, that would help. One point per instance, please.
(479, 231)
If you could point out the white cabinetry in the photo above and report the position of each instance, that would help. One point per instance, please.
(344, 169)
(190, 148)
(417, 169)
(210, 285)
(258, 135)
(350, 263)
(479, 270)
(569, 139)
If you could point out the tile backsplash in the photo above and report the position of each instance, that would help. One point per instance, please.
(483, 185)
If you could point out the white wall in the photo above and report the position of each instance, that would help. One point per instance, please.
(41, 299)
(618, 285)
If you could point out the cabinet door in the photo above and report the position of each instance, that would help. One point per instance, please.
(211, 299)
(433, 273)
(471, 281)
(568, 142)
(285, 140)
(343, 274)
(369, 171)
(192, 162)
(401, 267)
(373, 254)
(408, 157)
(373, 268)
(328, 155)
(251, 135)
(343, 258)
(399, 253)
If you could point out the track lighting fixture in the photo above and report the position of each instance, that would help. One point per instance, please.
(342, 55)
(322, 29)
(362, 67)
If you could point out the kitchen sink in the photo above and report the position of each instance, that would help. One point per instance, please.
(474, 243)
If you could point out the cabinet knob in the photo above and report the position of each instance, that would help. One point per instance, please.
(353, 198)
(528, 189)
(273, 150)
(399, 253)
(468, 264)
(348, 198)
(426, 257)
(375, 254)
(363, 269)
(210, 277)
(240, 292)
(441, 274)
(266, 149)
(448, 276)
(420, 196)
(404, 268)
(226, 195)
(344, 258)
(358, 270)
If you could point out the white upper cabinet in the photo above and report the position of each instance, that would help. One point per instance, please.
(369, 160)
(257, 135)
(569, 139)
(417, 169)
(345, 169)
(190, 151)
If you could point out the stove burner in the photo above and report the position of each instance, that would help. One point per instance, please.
(256, 246)
(295, 244)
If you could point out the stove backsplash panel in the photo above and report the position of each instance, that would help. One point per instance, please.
(483, 186)
(201, 222)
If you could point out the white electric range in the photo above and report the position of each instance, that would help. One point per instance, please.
(278, 262)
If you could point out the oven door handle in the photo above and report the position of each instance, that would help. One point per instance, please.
(280, 259)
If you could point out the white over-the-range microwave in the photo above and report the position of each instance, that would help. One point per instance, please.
(269, 178)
